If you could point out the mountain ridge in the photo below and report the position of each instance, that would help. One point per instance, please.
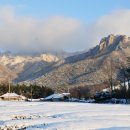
(86, 68)
(82, 68)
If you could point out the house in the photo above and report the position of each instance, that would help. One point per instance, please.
(118, 87)
(57, 97)
(102, 95)
(12, 96)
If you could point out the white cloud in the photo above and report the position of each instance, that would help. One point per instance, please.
(117, 22)
(19, 33)
(27, 34)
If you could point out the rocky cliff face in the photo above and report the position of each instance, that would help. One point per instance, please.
(114, 43)
(107, 41)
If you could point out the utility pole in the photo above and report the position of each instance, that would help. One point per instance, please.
(9, 84)
(111, 74)
(31, 93)
(9, 88)
(68, 90)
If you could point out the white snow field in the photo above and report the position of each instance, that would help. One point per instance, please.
(63, 116)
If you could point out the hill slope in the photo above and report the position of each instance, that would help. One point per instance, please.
(88, 68)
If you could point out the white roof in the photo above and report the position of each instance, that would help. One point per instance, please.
(119, 86)
(66, 94)
(10, 95)
(57, 95)
(22, 97)
(106, 90)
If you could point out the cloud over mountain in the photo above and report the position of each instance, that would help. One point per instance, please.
(116, 22)
(28, 34)
(20, 33)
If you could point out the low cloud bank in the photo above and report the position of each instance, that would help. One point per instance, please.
(27, 34)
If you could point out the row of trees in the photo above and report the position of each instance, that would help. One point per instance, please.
(35, 91)
(31, 91)
(87, 91)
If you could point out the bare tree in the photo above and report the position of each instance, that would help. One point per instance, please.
(109, 69)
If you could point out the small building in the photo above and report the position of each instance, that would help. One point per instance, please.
(58, 97)
(104, 95)
(12, 96)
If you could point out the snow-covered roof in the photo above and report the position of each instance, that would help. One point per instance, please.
(10, 95)
(66, 94)
(106, 90)
(22, 97)
(57, 95)
(119, 86)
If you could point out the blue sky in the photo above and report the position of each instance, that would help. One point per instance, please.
(71, 25)
(84, 10)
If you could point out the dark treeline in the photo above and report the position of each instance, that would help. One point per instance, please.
(124, 76)
(31, 91)
(87, 91)
(35, 91)
(122, 93)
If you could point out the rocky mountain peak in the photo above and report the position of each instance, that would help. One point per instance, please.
(49, 58)
(125, 39)
(106, 41)
(113, 40)
(110, 39)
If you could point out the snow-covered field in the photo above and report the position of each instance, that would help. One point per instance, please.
(63, 116)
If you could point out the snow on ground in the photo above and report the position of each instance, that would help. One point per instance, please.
(63, 116)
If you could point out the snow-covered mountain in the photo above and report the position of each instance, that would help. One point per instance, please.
(107, 45)
(26, 67)
(89, 68)
(58, 69)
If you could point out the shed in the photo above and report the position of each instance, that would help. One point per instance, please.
(58, 97)
(12, 96)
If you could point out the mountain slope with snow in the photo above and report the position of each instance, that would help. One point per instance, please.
(85, 68)
(89, 68)
(28, 67)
